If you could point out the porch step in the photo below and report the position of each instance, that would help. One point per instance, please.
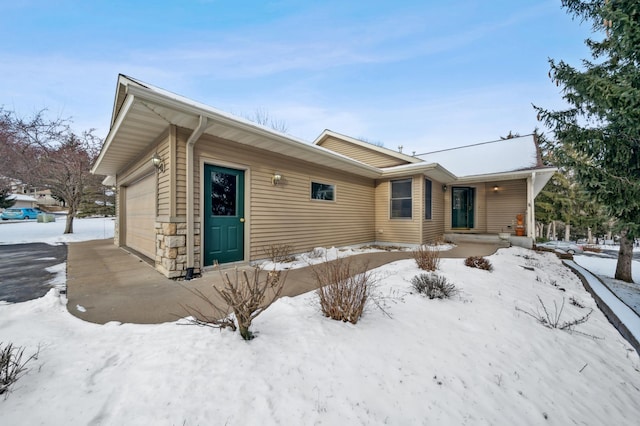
(525, 242)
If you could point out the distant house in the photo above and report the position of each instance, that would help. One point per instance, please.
(196, 186)
(23, 201)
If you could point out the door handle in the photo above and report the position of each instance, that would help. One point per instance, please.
(242, 220)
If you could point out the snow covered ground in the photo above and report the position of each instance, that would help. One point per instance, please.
(477, 358)
(30, 231)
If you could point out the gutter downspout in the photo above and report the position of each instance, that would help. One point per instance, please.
(195, 135)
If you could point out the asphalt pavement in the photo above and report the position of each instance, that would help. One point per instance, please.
(23, 270)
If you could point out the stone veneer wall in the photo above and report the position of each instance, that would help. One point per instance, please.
(171, 249)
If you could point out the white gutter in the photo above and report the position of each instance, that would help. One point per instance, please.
(199, 130)
(531, 207)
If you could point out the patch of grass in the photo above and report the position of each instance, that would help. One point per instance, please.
(12, 365)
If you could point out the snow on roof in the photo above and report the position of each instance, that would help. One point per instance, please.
(499, 156)
(22, 197)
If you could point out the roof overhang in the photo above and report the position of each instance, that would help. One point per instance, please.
(433, 170)
(146, 113)
(516, 174)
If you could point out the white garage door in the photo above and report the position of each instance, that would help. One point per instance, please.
(140, 216)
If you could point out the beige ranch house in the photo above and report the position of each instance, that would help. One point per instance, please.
(196, 186)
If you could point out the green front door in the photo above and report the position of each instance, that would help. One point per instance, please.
(462, 207)
(223, 215)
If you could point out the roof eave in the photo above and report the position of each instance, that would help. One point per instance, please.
(515, 174)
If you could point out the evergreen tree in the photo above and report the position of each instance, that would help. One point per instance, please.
(598, 136)
(5, 193)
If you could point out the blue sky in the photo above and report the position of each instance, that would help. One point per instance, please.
(423, 74)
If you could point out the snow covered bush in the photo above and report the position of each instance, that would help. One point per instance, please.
(478, 262)
(12, 367)
(433, 286)
(427, 257)
(343, 289)
(244, 295)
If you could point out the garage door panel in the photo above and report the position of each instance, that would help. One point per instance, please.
(140, 216)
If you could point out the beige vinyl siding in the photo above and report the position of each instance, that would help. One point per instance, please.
(165, 190)
(406, 231)
(286, 214)
(360, 153)
(432, 230)
(504, 204)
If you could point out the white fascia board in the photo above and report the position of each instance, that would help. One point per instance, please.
(518, 174)
(197, 109)
(542, 177)
(421, 167)
(128, 103)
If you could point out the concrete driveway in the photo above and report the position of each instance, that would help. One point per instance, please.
(23, 273)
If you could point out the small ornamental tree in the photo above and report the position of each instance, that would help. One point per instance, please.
(598, 136)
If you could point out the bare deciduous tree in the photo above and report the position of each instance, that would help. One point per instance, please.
(45, 153)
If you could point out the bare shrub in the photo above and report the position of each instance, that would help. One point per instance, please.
(12, 366)
(279, 252)
(592, 248)
(478, 262)
(427, 257)
(245, 295)
(552, 319)
(343, 289)
(433, 286)
(316, 253)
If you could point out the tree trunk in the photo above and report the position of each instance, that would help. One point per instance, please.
(625, 255)
(68, 229)
(589, 236)
(567, 232)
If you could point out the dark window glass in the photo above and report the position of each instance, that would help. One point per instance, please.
(322, 191)
(223, 194)
(427, 199)
(401, 202)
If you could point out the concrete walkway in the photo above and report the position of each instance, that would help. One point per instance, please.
(105, 283)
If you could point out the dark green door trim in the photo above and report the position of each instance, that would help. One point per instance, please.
(223, 212)
(462, 207)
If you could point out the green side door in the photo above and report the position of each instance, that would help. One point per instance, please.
(462, 207)
(223, 212)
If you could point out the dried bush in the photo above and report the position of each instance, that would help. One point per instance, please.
(344, 289)
(433, 286)
(12, 367)
(478, 262)
(244, 295)
(279, 252)
(592, 248)
(427, 257)
(552, 319)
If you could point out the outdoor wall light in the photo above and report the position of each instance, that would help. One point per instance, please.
(275, 179)
(444, 188)
(495, 188)
(157, 162)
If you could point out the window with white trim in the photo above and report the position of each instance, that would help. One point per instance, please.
(401, 199)
(323, 191)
